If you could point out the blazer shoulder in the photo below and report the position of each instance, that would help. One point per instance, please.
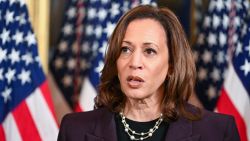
(219, 125)
(84, 117)
(74, 126)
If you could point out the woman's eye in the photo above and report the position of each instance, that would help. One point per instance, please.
(150, 51)
(125, 50)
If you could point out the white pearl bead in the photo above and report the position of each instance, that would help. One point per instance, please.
(127, 125)
(150, 134)
(132, 137)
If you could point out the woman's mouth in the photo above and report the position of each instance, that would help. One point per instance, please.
(134, 81)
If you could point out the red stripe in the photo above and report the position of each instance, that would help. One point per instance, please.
(25, 123)
(47, 96)
(78, 108)
(224, 105)
(2, 136)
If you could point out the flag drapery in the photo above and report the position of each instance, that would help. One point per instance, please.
(235, 93)
(223, 61)
(26, 109)
(212, 50)
(78, 58)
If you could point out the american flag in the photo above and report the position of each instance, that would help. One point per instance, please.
(97, 22)
(69, 59)
(26, 109)
(226, 49)
(235, 93)
(212, 51)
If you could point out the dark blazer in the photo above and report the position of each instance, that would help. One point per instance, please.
(99, 125)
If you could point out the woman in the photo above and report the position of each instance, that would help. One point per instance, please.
(146, 81)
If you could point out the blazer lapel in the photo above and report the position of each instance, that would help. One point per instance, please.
(181, 130)
(105, 127)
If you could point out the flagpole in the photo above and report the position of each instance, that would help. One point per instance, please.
(39, 17)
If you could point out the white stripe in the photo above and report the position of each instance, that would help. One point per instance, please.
(87, 95)
(238, 96)
(42, 116)
(10, 129)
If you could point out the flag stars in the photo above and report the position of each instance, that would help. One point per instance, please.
(211, 39)
(24, 76)
(238, 49)
(71, 13)
(63, 46)
(71, 63)
(27, 58)
(207, 22)
(102, 14)
(5, 36)
(109, 29)
(67, 80)
(37, 59)
(3, 54)
(245, 67)
(67, 29)
(1, 74)
(10, 75)
(89, 30)
(6, 94)
(14, 56)
(225, 21)
(100, 67)
(91, 13)
(220, 57)
(9, 17)
(31, 39)
(219, 5)
(215, 75)
(222, 39)
(114, 11)
(75, 47)
(21, 19)
(237, 21)
(85, 47)
(211, 92)
(207, 56)
(98, 31)
(201, 39)
(22, 2)
(202, 74)
(248, 48)
(18, 37)
(103, 48)
(58, 63)
(12, 1)
(216, 21)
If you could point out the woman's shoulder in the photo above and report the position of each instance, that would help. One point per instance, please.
(213, 126)
(214, 121)
(87, 117)
(208, 115)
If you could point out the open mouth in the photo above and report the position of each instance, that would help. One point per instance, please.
(134, 81)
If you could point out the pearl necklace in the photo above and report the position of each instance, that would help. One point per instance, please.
(141, 136)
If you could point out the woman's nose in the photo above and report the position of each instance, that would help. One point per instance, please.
(136, 61)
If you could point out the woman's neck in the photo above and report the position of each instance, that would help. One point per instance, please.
(142, 110)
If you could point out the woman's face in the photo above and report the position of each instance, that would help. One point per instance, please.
(143, 62)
